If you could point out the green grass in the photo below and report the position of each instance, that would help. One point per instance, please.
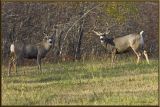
(83, 83)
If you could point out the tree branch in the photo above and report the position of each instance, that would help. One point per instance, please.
(75, 24)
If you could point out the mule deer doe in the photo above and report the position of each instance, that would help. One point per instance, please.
(122, 44)
(29, 51)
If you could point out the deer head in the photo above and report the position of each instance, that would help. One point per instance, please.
(48, 39)
(102, 36)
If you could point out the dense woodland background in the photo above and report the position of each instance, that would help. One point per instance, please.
(26, 21)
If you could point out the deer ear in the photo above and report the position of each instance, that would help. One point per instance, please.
(45, 35)
(107, 32)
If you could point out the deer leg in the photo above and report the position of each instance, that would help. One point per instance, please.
(40, 66)
(138, 55)
(146, 56)
(15, 66)
(10, 66)
(39, 63)
(113, 56)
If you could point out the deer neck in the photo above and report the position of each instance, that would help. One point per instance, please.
(110, 41)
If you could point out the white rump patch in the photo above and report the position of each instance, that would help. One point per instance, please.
(142, 41)
(12, 48)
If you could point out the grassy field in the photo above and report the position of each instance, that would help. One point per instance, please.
(83, 83)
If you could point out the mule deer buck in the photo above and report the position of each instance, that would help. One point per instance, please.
(30, 51)
(122, 44)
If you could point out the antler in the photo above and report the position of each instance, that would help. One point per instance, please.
(97, 33)
(107, 30)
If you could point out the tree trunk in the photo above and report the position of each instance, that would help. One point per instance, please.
(78, 49)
